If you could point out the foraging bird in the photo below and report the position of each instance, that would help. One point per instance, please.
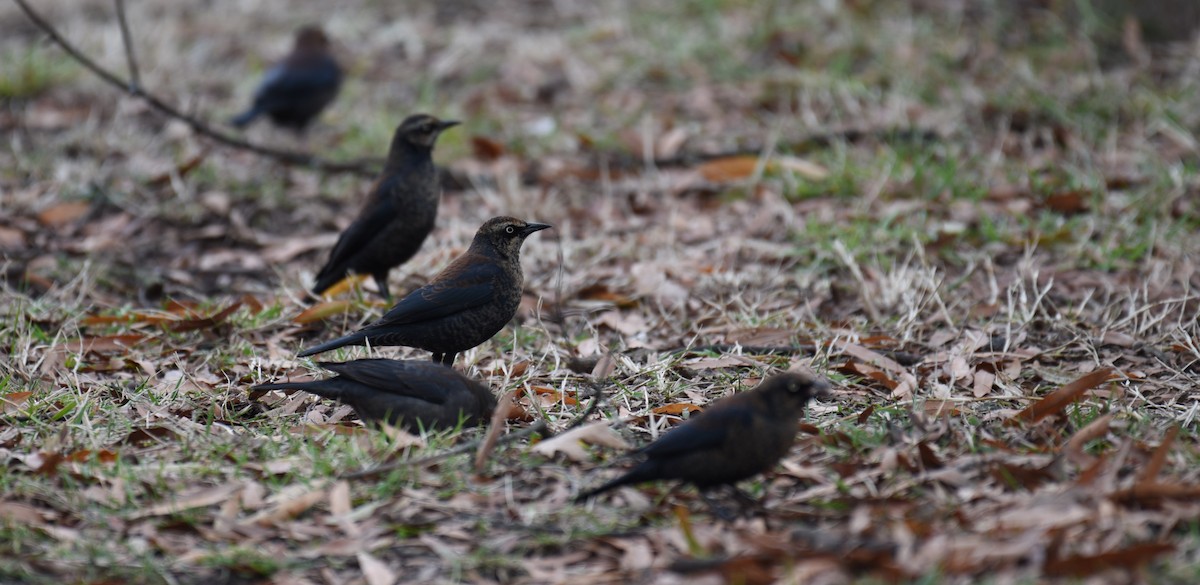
(399, 212)
(414, 395)
(295, 90)
(735, 438)
(468, 302)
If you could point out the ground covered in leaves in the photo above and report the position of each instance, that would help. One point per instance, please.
(979, 222)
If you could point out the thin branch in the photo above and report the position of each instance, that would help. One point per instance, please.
(361, 167)
(135, 77)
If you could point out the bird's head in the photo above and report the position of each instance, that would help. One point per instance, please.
(790, 391)
(422, 130)
(311, 39)
(505, 235)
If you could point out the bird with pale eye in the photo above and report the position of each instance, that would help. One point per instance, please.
(467, 303)
(735, 438)
(399, 212)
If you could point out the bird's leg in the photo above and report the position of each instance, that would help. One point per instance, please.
(381, 283)
(448, 359)
(438, 358)
(716, 508)
(747, 501)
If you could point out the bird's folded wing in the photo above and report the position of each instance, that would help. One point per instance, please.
(707, 431)
(285, 83)
(369, 224)
(394, 377)
(472, 288)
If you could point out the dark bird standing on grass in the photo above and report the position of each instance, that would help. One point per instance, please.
(468, 302)
(731, 440)
(399, 212)
(296, 89)
(414, 395)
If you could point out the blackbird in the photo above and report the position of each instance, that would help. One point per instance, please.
(399, 212)
(414, 395)
(731, 440)
(468, 302)
(295, 90)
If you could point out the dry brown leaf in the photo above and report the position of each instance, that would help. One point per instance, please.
(569, 443)
(873, 358)
(716, 363)
(61, 214)
(486, 149)
(180, 171)
(1126, 558)
(374, 570)
(1068, 202)
(185, 325)
(323, 310)
(1093, 430)
(605, 366)
(984, 381)
(677, 409)
(195, 498)
(730, 168)
(13, 401)
(1056, 401)
(1159, 458)
(1148, 493)
(805, 168)
(345, 285)
(112, 343)
(18, 513)
(339, 499)
(289, 508)
(497, 425)
(12, 239)
(129, 318)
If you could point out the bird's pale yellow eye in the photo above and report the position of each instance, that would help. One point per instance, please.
(510, 230)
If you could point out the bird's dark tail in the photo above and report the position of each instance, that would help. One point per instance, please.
(243, 119)
(644, 471)
(356, 338)
(311, 386)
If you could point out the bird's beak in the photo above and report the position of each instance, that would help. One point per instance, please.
(822, 390)
(447, 124)
(535, 227)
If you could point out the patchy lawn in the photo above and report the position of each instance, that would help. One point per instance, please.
(979, 223)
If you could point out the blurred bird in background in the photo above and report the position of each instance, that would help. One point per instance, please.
(295, 90)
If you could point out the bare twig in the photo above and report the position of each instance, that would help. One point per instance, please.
(507, 402)
(361, 167)
(135, 77)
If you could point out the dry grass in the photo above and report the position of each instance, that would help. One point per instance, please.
(1002, 217)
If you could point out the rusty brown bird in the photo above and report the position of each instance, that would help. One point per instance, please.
(415, 395)
(468, 302)
(399, 212)
(733, 439)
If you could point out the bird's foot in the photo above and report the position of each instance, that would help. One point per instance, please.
(718, 510)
